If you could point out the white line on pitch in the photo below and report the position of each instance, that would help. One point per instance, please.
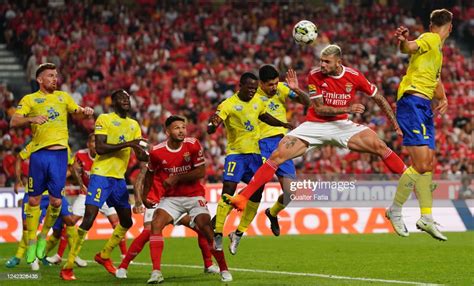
(294, 274)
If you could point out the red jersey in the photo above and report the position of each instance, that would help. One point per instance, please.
(336, 91)
(156, 190)
(167, 162)
(85, 160)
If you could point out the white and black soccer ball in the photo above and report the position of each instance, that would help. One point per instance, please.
(305, 33)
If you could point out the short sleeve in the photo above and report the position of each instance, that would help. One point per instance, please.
(23, 107)
(101, 125)
(71, 104)
(427, 41)
(313, 88)
(262, 107)
(70, 157)
(197, 155)
(366, 86)
(223, 110)
(25, 152)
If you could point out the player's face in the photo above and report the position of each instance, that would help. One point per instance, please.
(248, 89)
(177, 131)
(122, 101)
(91, 145)
(329, 64)
(48, 80)
(269, 87)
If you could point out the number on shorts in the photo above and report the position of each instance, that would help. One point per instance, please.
(30, 183)
(202, 203)
(423, 128)
(97, 196)
(231, 167)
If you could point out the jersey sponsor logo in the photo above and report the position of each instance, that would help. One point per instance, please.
(40, 100)
(248, 125)
(349, 87)
(60, 98)
(238, 107)
(187, 157)
(52, 114)
(178, 170)
(116, 123)
(255, 107)
(264, 98)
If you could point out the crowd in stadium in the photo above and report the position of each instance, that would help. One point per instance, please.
(185, 59)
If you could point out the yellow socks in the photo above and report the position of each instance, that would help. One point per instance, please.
(71, 235)
(276, 208)
(32, 222)
(76, 248)
(51, 215)
(22, 245)
(51, 243)
(248, 216)
(406, 183)
(222, 212)
(114, 240)
(424, 194)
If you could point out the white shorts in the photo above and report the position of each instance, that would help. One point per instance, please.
(79, 207)
(336, 133)
(148, 216)
(176, 207)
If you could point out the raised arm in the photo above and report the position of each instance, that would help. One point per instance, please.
(292, 81)
(405, 46)
(272, 121)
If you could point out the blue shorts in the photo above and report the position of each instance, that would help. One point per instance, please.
(47, 172)
(415, 117)
(43, 206)
(241, 167)
(66, 210)
(270, 144)
(107, 189)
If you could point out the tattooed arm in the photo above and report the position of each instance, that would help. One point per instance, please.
(385, 106)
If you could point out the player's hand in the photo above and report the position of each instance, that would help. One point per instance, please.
(88, 111)
(357, 108)
(292, 80)
(138, 208)
(170, 182)
(399, 131)
(148, 204)
(401, 33)
(83, 189)
(442, 106)
(40, 119)
(18, 184)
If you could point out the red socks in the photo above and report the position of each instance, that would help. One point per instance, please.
(264, 174)
(205, 249)
(135, 248)
(219, 256)
(62, 243)
(156, 249)
(393, 162)
(123, 247)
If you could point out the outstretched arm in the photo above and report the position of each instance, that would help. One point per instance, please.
(272, 121)
(292, 81)
(385, 106)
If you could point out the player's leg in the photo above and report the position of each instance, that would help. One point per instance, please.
(55, 238)
(367, 141)
(203, 244)
(15, 260)
(161, 219)
(283, 200)
(97, 193)
(289, 147)
(200, 216)
(114, 221)
(222, 212)
(119, 200)
(137, 244)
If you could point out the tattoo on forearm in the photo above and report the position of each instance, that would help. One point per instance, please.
(386, 108)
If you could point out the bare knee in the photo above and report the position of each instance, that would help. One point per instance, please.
(423, 166)
(55, 202)
(380, 148)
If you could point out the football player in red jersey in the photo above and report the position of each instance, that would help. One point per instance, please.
(153, 199)
(179, 165)
(332, 88)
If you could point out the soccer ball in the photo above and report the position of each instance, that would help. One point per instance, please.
(305, 32)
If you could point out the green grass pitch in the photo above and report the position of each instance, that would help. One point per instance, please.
(375, 259)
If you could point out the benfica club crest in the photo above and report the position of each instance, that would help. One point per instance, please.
(187, 157)
(348, 87)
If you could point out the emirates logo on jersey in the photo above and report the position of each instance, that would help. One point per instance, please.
(187, 157)
(348, 87)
